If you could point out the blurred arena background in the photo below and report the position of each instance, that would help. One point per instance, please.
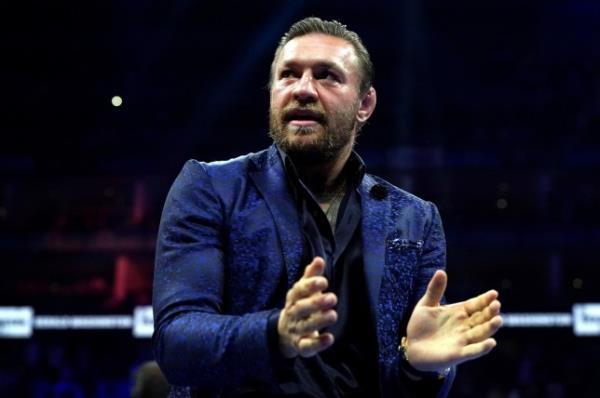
(489, 109)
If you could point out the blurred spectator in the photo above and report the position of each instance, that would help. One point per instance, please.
(149, 382)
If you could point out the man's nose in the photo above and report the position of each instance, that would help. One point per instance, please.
(305, 92)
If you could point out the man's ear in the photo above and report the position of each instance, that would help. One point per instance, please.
(367, 106)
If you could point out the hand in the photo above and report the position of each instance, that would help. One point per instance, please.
(307, 310)
(440, 336)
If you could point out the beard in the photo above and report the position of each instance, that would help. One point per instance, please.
(328, 136)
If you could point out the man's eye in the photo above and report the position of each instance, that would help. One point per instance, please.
(327, 75)
(286, 73)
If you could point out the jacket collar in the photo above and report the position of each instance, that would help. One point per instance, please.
(270, 179)
(375, 208)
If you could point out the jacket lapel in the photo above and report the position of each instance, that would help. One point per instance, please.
(269, 178)
(375, 214)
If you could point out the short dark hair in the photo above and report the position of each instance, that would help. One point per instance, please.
(332, 28)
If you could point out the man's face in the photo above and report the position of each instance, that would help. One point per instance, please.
(315, 97)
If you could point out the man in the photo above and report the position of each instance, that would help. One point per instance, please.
(292, 272)
(149, 382)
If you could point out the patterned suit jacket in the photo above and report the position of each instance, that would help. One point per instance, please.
(229, 235)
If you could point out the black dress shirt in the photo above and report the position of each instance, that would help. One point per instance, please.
(349, 367)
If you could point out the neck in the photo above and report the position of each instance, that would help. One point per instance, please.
(325, 178)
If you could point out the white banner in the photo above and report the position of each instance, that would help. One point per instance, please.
(19, 322)
(16, 322)
(537, 320)
(586, 319)
(143, 321)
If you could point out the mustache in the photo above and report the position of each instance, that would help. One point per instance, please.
(304, 113)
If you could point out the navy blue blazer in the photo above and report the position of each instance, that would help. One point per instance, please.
(230, 233)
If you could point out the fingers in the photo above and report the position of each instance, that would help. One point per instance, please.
(485, 323)
(305, 287)
(451, 334)
(480, 302)
(315, 322)
(307, 311)
(305, 307)
(313, 313)
(315, 268)
(479, 340)
(435, 289)
(485, 315)
(483, 331)
(477, 350)
(310, 346)
(311, 282)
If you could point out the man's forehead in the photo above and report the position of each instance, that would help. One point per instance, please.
(326, 48)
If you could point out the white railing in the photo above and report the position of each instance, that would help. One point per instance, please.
(21, 322)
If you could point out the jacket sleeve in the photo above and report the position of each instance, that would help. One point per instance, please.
(433, 257)
(195, 343)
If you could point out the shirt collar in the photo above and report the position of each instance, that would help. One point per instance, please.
(354, 169)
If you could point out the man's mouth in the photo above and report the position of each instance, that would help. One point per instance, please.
(303, 117)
